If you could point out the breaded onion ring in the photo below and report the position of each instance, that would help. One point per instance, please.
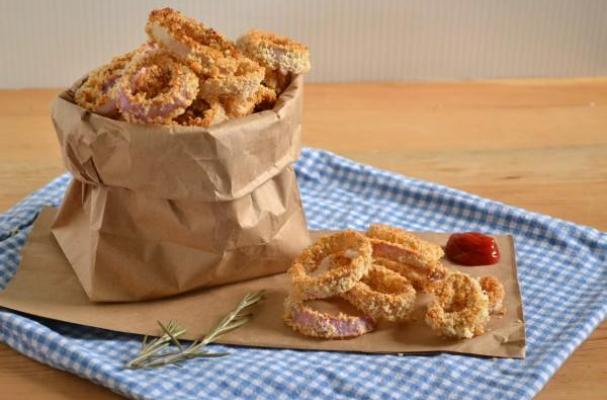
(495, 292)
(263, 99)
(275, 52)
(399, 253)
(189, 40)
(351, 248)
(383, 295)
(411, 264)
(310, 322)
(203, 114)
(424, 280)
(155, 88)
(241, 79)
(428, 252)
(95, 94)
(460, 308)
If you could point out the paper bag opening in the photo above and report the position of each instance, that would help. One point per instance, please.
(156, 211)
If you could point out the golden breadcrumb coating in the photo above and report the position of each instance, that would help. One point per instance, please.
(304, 319)
(383, 295)
(338, 279)
(406, 253)
(230, 83)
(424, 279)
(186, 32)
(169, 91)
(277, 80)
(226, 76)
(95, 93)
(495, 292)
(460, 308)
(205, 51)
(429, 252)
(242, 81)
(202, 114)
(263, 99)
(275, 52)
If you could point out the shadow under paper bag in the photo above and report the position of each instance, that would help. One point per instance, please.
(159, 210)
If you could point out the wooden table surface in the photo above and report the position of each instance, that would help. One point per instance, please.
(540, 145)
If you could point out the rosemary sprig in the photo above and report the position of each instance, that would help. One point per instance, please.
(156, 353)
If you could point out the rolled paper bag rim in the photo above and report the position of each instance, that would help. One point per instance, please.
(220, 163)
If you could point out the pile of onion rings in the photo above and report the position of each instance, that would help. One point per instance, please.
(381, 273)
(330, 267)
(188, 74)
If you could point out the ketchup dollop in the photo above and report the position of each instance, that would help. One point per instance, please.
(471, 249)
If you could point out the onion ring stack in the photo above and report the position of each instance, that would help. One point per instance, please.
(225, 75)
(189, 74)
(342, 260)
(275, 52)
(378, 273)
(189, 40)
(346, 269)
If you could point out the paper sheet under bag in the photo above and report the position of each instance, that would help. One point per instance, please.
(45, 285)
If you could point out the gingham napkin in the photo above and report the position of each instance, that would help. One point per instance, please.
(562, 271)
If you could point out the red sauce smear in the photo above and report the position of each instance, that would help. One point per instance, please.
(471, 249)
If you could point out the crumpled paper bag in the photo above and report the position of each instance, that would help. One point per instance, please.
(155, 211)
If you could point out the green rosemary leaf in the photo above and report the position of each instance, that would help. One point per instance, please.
(170, 334)
(153, 353)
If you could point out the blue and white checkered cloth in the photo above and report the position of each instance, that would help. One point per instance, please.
(562, 271)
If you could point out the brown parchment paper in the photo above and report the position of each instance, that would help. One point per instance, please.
(45, 285)
(158, 210)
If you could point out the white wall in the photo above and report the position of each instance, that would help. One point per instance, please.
(51, 43)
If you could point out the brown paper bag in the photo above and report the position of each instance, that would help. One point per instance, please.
(160, 210)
